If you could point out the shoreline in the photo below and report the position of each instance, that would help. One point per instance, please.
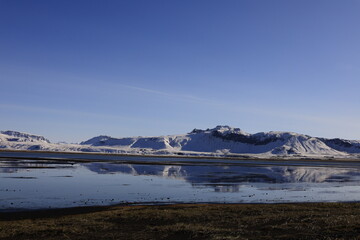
(106, 157)
(91, 208)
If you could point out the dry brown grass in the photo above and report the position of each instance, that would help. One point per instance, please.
(247, 221)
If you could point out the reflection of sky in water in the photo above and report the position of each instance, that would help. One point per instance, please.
(30, 184)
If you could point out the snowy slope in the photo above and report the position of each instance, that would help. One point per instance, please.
(219, 141)
(348, 146)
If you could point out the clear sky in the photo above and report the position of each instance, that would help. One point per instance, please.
(72, 69)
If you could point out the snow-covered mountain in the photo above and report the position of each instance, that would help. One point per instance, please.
(348, 146)
(13, 140)
(226, 140)
(18, 140)
(219, 141)
(13, 136)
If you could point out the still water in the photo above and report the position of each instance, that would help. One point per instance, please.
(33, 184)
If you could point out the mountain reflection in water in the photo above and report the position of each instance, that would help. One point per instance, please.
(231, 178)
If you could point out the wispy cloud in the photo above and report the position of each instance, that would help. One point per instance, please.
(182, 97)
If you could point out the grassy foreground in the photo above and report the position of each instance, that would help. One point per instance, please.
(195, 221)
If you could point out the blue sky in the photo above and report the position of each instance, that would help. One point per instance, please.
(71, 70)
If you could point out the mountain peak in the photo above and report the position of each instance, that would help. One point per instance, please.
(222, 129)
(228, 129)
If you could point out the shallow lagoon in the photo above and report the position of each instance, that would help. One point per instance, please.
(35, 184)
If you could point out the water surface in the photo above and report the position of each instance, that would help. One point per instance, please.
(34, 184)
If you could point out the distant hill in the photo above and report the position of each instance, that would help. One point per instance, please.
(219, 141)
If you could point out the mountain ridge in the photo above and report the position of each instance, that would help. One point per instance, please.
(221, 140)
